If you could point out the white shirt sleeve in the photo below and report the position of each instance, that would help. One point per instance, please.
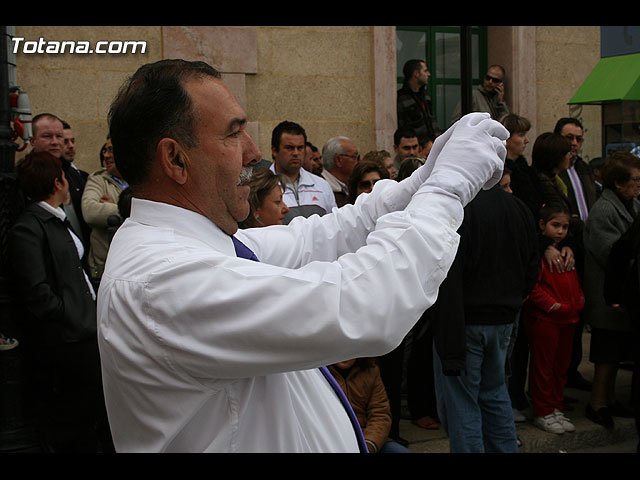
(214, 316)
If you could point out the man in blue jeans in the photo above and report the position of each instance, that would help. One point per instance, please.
(496, 267)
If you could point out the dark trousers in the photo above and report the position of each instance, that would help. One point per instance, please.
(67, 400)
(421, 395)
(391, 371)
(576, 351)
(421, 389)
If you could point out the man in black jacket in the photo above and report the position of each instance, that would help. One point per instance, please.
(496, 267)
(414, 104)
(582, 194)
(77, 179)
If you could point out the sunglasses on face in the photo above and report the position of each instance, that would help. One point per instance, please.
(493, 79)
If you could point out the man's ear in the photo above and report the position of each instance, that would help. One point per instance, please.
(173, 159)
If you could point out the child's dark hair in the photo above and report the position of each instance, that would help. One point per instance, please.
(550, 210)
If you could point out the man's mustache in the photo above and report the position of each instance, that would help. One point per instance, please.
(245, 175)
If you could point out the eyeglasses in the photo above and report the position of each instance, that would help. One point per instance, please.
(492, 79)
(365, 184)
(356, 156)
(635, 179)
(573, 137)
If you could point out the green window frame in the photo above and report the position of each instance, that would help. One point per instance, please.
(439, 46)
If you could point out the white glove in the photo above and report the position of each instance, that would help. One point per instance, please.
(397, 197)
(470, 157)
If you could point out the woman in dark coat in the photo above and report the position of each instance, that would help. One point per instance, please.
(64, 391)
(551, 155)
(612, 327)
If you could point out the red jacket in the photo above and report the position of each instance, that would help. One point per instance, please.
(553, 287)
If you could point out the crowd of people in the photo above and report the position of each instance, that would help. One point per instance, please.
(500, 344)
(56, 252)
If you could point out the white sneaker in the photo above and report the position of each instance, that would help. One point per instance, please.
(549, 423)
(564, 421)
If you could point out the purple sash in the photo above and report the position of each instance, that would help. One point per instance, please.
(243, 251)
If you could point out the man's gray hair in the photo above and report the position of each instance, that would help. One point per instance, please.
(332, 148)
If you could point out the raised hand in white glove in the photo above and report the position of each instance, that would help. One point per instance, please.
(469, 158)
(399, 196)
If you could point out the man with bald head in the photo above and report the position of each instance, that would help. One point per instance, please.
(488, 96)
(48, 134)
(53, 135)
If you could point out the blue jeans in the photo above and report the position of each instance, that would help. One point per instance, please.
(475, 408)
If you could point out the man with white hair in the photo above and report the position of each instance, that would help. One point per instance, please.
(339, 156)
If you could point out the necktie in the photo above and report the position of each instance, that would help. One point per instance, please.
(243, 251)
(577, 189)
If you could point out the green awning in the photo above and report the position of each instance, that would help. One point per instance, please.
(612, 79)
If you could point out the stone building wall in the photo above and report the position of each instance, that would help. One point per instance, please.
(333, 80)
(79, 87)
(564, 58)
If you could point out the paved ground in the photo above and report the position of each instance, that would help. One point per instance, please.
(589, 437)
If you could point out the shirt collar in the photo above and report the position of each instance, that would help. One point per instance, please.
(57, 211)
(186, 222)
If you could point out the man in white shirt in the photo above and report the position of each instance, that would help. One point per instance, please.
(305, 194)
(206, 351)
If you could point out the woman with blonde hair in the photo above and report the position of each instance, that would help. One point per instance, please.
(266, 206)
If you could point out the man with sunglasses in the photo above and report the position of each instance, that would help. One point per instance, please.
(488, 97)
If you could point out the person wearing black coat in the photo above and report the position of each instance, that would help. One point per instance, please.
(622, 290)
(414, 106)
(57, 303)
(496, 266)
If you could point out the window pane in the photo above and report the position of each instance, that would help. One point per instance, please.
(448, 98)
(410, 45)
(447, 55)
(475, 56)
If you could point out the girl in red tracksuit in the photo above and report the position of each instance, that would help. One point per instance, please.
(551, 312)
